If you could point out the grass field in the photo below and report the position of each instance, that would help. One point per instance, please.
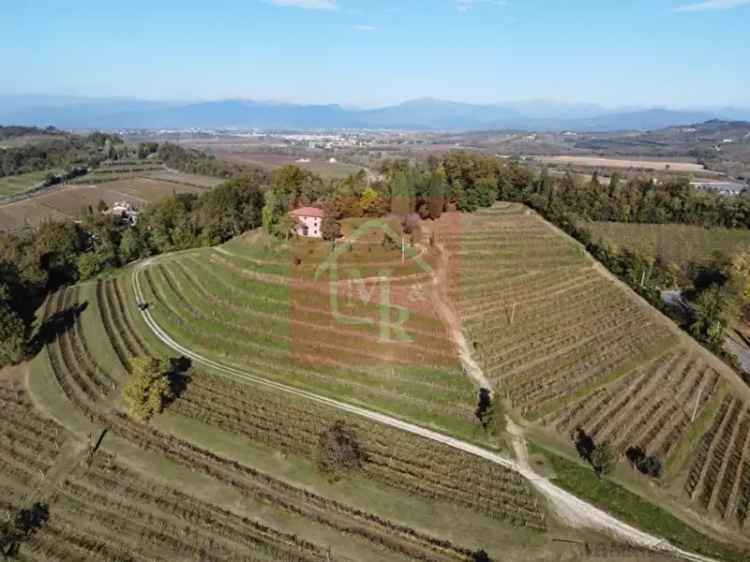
(12, 185)
(272, 161)
(675, 243)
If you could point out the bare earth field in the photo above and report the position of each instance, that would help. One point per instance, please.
(627, 164)
(71, 200)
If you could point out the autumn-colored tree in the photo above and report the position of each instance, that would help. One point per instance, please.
(148, 389)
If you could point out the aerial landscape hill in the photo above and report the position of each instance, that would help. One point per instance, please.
(473, 339)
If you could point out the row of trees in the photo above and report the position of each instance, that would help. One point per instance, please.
(637, 200)
(459, 181)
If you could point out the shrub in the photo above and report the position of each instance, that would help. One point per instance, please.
(340, 451)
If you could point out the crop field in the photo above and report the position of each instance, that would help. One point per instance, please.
(675, 243)
(256, 304)
(271, 160)
(139, 189)
(570, 349)
(101, 510)
(658, 165)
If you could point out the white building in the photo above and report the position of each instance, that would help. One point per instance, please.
(309, 221)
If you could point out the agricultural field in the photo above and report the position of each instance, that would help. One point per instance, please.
(571, 349)
(597, 162)
(271, 157)
(138, 188)
(228, 507)
(563, 346)
(674, 243)
(13, 185)
(271, 309)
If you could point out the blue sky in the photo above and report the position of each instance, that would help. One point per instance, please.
(680, 53)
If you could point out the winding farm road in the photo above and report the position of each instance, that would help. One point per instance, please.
(570, 508)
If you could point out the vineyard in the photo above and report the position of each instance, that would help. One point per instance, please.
(546, 325)
(258, 308)
(572, 350)
(78, 376)
(396, 459)
(101, 510)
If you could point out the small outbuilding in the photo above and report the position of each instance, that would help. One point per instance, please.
(309, 221)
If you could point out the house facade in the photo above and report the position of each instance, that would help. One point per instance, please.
(309, 222)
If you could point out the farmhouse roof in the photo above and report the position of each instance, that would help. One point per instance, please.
(308, 212)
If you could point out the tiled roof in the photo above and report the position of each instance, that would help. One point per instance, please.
(308, 212)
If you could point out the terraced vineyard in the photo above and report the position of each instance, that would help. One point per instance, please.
(404, 461)
(255, 309)
(102, 510)
(79, 378)
(546, 325)
(571, 349)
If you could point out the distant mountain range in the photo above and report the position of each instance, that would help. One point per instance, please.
(421, 114)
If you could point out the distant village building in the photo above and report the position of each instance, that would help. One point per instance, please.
(124, 210)
(309, 221)
(720, 187)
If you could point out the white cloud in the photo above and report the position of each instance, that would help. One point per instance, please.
(466, 5)
(711, 5)
(365, 27)
(307, 4)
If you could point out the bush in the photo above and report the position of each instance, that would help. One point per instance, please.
(340, 451)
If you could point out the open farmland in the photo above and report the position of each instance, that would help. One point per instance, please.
(674, 243)
(272, 156)
(317, 165)
(71, 200)
(596, 162)
(572, 349)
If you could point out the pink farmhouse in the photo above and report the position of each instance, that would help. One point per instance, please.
(309, 221)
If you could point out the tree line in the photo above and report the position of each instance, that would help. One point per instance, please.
(66, 152)
(61, 253)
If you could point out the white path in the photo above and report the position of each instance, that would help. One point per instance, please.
(573, 510)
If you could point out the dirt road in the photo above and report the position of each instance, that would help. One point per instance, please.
(570, 508)
(441, 302)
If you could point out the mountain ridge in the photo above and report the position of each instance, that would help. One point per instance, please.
(426, 114)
